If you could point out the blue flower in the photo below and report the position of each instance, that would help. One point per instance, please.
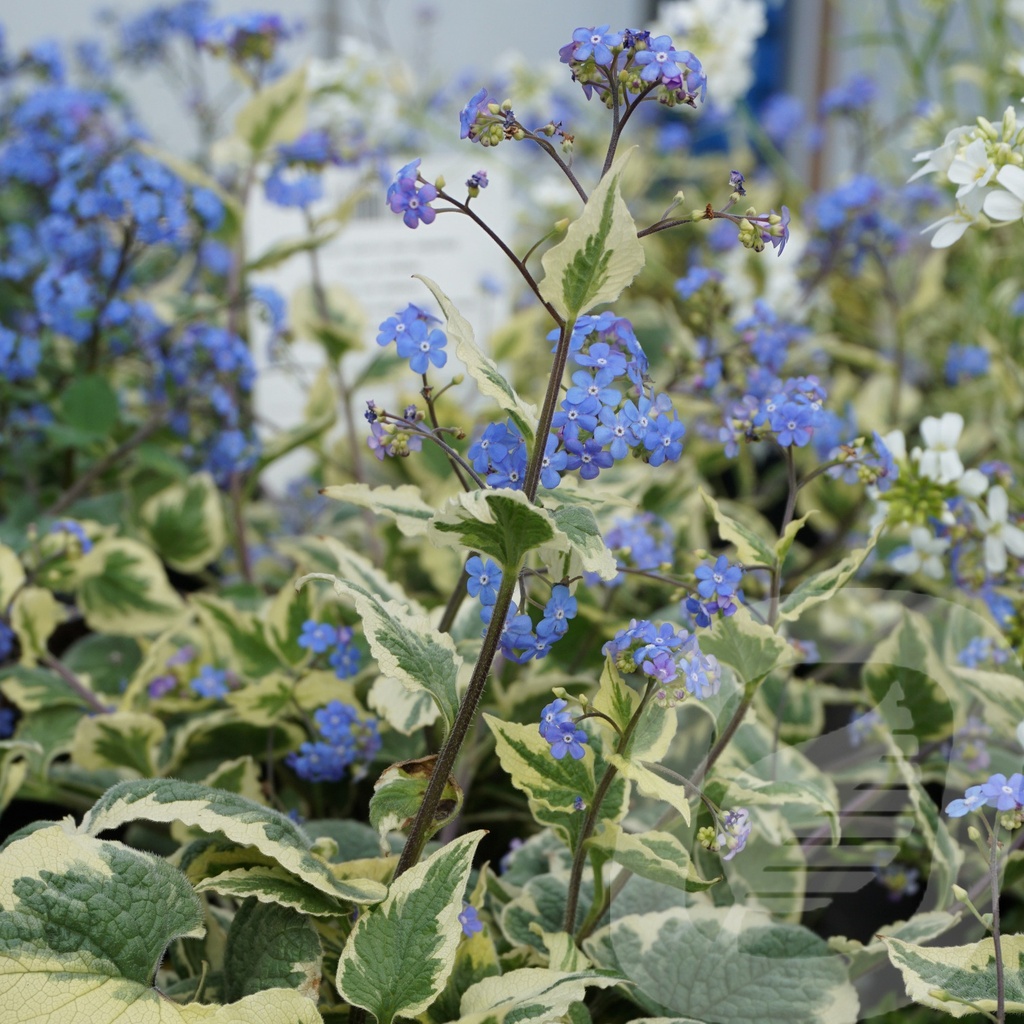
(317, 637)
(558, 612)
(664, 439)
(406, 198)
(8, 718)
(552, 464)
(318, 762)
(735, 832)
(569, 741)
(971, 801)
(553, 719)
(6, 641)
(75, 530)
(335, 721)
(964, 362)
(589, 457)
(596, 43)
(793, 424)
(210, 683)
(660, 60)
(720, 579)
(468, 114)
(471, 924)
(422, 347)
(484, 579)
(1004, 794)
(345, 660)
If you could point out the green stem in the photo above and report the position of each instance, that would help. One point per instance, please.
(423, 825)
(993, 876)
(579, 855)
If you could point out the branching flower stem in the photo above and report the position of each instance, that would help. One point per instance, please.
(579, 856)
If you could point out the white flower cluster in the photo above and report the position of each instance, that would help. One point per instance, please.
(940, 461)
(986, 164)
(723, 34)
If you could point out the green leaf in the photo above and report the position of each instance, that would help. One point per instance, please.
(600, 254)
(406, 711)
(907, 665)
(501, 523)
(240, 820)
(290, 608)
(530, 995)
(32, 689)
(751, 549)
(823, 585)
(961, 979)
(12, 576)
(185, 523)
(264, 702)
(756, 770)
(405, 645)
(551, 786)
(108, 661)
(651, 784)
(578, 523)
(404, 505)
(123, 589)
(398, 793)
(275, 114)
(86, 924)
(35, 614)
(658, 856)
(751, 648)
(653, 734)
(271, 946)
(475, 959)
(280, 252)
(123, 739)
(489, 379)
(242, 639)
(785, 542)
(399, 955)
(90, 404)
(751, 968)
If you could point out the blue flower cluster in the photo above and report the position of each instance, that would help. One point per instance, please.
(560, 730)
(671, 657)
(606, 415)
(1006, 795)
(520, 640)
(211, 683)
(346, 739)
(981, 651)
(322, 637)
(416, 338)
(644, 542)
(295, 178)
(965, 362)
(246, 37)
(633, 64)
(717, 591)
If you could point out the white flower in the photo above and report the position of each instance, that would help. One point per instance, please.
(923, 555)
(951, 229)
(973, 484)
(1000, 535)
(971, 169)
(1006, 205)
(722, 34)
(940, 461)
(940, 159)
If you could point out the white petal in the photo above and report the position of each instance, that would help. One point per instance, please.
(998, 505)
(896, 442)
(907, 562)
(952, 427)
(931, 431)
(973, 484)
(950, 467)
(933, 568)
(1012, 179)
(1001, 206)
(1013, 539)
(949, 230)
(995, 554)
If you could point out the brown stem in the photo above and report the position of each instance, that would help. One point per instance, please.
(98, 468)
